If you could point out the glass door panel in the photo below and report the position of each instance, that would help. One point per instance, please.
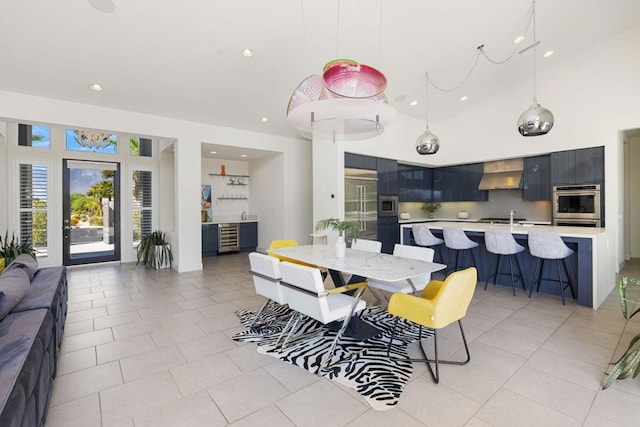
(91, 217)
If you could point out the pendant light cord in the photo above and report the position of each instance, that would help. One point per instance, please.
(426, 100)
(338, 32)
(481, 52)
(535, 55)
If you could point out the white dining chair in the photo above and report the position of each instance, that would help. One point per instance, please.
(361, 245)
(305, 293)
(417, 283)
(266, 279)
(367, 245)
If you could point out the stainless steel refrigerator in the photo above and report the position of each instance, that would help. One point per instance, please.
(361, 200)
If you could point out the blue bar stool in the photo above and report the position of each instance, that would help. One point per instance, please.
(423, 237)
(456, 239)
(548, 245)
(501, 243)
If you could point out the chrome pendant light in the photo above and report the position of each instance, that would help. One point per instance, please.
(536, 120)
(428, 142)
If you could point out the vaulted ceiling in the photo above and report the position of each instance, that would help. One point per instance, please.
(183, 59)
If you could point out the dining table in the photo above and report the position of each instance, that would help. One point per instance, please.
(369, 265)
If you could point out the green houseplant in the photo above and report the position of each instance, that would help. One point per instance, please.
(154, 250)
(629, 363)
(10, 249)
(342, 227)
(430, 208)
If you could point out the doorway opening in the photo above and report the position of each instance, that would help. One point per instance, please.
(91, 212)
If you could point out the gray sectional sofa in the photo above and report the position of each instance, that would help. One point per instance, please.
(33, 309)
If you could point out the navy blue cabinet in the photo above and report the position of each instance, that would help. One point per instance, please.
(536, 178)
(209, 239)
(415, 184)
(469, 177)
(439, 181)
(248, 236)
(458, 183)
(388, 232)
(387, 176)
(590, 165)
(583, 166)
(358, 161)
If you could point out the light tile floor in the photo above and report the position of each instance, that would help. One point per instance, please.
(153, 348)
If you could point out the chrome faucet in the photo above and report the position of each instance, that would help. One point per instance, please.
(244, 215)
(511, 214)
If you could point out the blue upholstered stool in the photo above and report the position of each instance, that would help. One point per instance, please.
(456, 240)
(423, 237)
(501, 243)
(548, 245)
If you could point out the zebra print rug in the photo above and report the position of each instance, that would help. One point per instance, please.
(362, 366)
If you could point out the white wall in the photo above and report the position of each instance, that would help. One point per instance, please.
(167, 191)
(220, 187)
(633, 201)
(188, 136)
(3, 177)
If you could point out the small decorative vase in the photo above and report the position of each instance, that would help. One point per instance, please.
(341, 247)
(430, 214)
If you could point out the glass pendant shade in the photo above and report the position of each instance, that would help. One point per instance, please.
(536, 121)
(427, 143)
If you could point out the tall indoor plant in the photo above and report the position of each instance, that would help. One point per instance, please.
(629, 363)
(343, 228)
(10, 249)
(154, 250)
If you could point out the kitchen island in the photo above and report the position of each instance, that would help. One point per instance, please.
(592, 276)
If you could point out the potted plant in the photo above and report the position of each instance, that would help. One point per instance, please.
(342, 227)
(10, 249)
(154, 251)
(629, 363)
(431, 208)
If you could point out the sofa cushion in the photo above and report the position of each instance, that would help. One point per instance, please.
(26, 348)
(13, 285)
(48, 289)
(27, 263)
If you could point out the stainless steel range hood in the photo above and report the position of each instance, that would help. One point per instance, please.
(502, 175)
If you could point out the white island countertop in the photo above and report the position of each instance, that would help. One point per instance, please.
(584, 232)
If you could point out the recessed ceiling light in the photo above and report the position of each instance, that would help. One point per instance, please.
(95, 86)
(464, 98)
(213, 152)
(548, 54)
(413, 103)
(264, 119)
(519, 39)
(247, 53)
(243, 155)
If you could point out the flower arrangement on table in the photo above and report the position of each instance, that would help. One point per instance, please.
(430, 208)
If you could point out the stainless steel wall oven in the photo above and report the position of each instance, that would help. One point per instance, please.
(573, 204)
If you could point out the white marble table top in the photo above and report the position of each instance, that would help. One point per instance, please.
(371, 265)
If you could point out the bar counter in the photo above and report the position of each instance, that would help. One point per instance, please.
(592, 277)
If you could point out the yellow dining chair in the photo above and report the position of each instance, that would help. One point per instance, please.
(287, 243)
(440, 304)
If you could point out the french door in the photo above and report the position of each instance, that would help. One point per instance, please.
(91, 212)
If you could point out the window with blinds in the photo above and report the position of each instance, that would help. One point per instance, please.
(33, 206)
(141, 205)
